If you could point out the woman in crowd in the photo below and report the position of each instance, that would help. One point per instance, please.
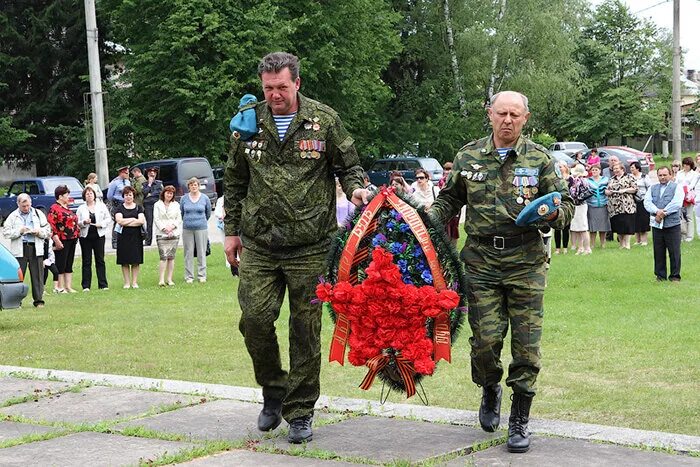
(579, 224)
(196, 211)
(561, 236)
(397, 181)
(598, 219)
(343, 206)
(129, 218)
(621, 205)
(167, 220)
(423, 191)
(687, 179)
(91, 181)
(675, 168)
(94, 220)
(641, 217)
(65, 230)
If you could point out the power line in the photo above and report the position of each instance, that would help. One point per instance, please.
(650, 7)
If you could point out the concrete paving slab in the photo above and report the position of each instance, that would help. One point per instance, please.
(95, 404)
(14, 430)
(11, 388)
(560, 452)
(385, 439)
(89, 449)
(257, 459)
(216, 420)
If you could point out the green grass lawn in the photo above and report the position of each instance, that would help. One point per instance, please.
(618, 347)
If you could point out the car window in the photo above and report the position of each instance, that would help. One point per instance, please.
(32, 188)
(166, 173)
(199, 169)
(430, 164)
(380, 166)
(16, 188)
(557, 147)
(577, 146)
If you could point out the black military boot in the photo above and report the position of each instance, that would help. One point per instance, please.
(300, 430)
(490, 410)
(518, 436)
(271, 415)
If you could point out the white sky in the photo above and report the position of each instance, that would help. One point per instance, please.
(661, 13)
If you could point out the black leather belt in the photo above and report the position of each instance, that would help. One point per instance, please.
(501, 243)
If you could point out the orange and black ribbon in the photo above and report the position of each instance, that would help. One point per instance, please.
(403, 365)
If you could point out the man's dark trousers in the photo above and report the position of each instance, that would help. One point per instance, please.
(36, 270)
(668, 239)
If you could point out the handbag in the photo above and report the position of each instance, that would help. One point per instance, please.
(144, 232)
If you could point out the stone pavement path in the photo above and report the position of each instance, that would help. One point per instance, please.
(62, 418)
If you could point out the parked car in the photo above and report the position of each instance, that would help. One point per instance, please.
(640, 155)
(176, 172)
(219, 179)
(625, 157)
(12, 288)
(41, 190)
(561, 156)
(407, 165)
(569, 147)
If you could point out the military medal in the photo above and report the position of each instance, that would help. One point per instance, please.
(307, 126)
(254, 144)
(236, 134)
(519, 200)
(247, 150)
(316, 127)
(534, 190)
(315, 154)
(542, 210)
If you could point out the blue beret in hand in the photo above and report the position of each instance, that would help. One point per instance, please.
(244, 125)
(539, 208)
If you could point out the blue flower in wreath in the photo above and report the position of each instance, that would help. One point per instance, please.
(379, 239)
(418, 251)
(403, 265)
(426, 276)
(391, 225)
(396, 247)
(403, 227)
(407, 279)
(396, 214)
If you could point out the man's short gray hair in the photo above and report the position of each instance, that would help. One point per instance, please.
(23, 196)
(277, 61)
(523, 96)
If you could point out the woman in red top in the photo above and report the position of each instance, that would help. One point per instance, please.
(65, 229)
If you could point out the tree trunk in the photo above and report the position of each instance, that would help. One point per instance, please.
(494, 61)
(453, 57)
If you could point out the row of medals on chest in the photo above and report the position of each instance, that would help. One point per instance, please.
(526, 188)
(255, 148)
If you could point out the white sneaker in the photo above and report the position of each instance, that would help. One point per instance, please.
(189, 281)
(86, 290)
(202, 280)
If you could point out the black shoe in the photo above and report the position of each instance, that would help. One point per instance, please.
(518, 436)
(490, 410)
(271, 415)
(300, 430)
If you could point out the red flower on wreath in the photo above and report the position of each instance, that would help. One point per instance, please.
(385, 313)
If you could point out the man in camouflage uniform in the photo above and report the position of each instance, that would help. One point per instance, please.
(137, 182)
(496, 177)
(280, 217)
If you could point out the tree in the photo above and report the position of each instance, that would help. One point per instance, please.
(44, 63)
(626, 83)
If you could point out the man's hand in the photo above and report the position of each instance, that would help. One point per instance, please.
(359, 196)
(552, 216)
(233, 248)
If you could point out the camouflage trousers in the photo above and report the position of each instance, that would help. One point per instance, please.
(505, 288)
(263, 283)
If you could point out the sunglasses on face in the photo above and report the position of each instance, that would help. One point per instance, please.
(420, 178)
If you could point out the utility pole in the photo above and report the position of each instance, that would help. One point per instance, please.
(98, 120)
(676, 109)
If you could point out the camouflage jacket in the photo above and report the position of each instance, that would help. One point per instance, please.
(495, 191)
(137, 183)
(279, 196)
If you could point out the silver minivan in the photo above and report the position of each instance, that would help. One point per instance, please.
(176, 172)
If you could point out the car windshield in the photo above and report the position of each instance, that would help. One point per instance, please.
(199, 169)
(576, 146)
(72, 184)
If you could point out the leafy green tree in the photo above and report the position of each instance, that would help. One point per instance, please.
(626, 76)
(43, 61)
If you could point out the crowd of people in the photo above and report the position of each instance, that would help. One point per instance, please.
(136, 209)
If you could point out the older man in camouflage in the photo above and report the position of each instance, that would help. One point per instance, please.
(496, 177)
(279, 190)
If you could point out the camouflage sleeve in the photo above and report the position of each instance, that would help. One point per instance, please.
(236, 177)
(450, 199)
(550, 182)
(345, 162)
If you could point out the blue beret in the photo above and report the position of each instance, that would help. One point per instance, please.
(539, 208)
(244, 125)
